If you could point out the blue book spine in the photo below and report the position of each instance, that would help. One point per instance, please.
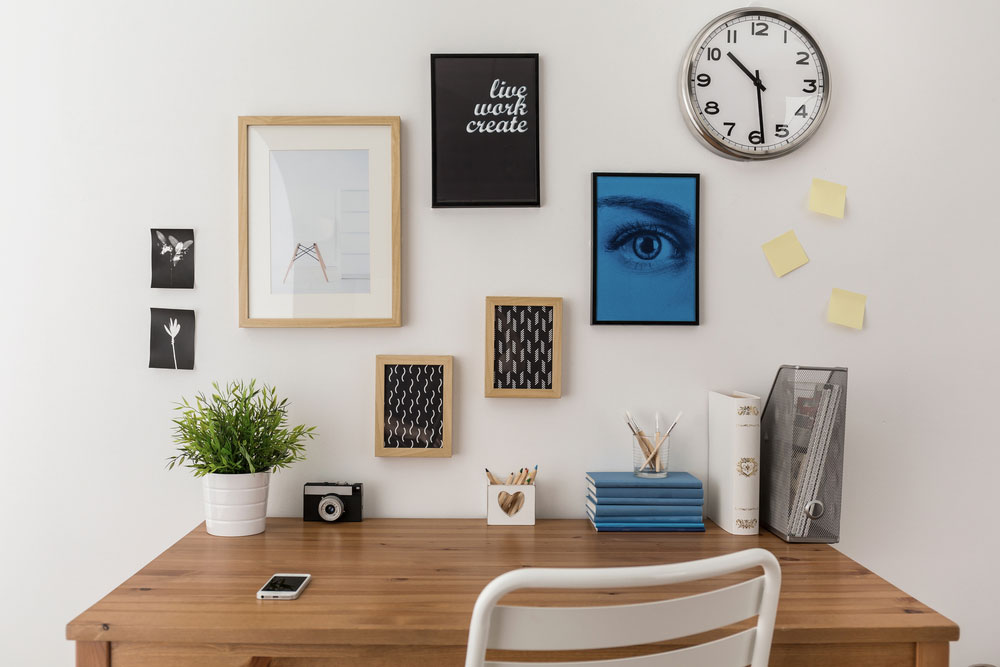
(603, 510)
(671, 520)
(649, 528)
(675, 480)
(648, 492)
(649, 502)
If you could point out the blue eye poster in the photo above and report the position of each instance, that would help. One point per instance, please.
(645, 249)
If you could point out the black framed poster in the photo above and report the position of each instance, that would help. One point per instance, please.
(484, 128)
(645, 249)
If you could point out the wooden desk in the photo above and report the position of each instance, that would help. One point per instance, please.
(400, 592)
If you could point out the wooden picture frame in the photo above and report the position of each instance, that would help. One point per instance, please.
(520, 377)
(414, 423)
(290, 208)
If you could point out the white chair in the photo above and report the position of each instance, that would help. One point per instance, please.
(579, 628)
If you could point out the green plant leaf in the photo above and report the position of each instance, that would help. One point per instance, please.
(238, 429)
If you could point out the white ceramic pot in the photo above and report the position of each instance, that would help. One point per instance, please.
(236, 505)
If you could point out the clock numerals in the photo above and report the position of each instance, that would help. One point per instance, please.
(756, 137)
(803, 58)
(810, 85)
(781, 130)
(759, 29)
(729, 133)
(712, 108)
(714, 53)
(730, 37)
(801, 111)
(704, 80)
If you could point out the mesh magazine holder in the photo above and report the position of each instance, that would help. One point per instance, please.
(802, 454)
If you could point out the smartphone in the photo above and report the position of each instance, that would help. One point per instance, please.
(284, 586)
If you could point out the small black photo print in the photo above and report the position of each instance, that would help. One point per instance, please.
(484, 126)
(171, 338)
(172, 258)
(523, 347)
(413, 406)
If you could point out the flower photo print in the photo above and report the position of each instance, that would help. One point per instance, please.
(171, 338)
(172, 258)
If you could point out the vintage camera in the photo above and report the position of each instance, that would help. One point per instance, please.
(332, 501)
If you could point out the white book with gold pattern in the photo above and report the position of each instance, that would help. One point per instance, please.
(732, 499)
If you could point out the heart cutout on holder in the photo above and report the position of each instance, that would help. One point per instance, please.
(510, 503)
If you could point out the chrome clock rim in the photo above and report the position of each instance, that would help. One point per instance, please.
(694, 121)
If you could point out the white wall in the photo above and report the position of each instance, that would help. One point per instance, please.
(121, 116)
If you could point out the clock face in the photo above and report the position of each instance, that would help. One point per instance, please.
(755, 85)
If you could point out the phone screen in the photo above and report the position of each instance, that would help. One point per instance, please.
(283, 584)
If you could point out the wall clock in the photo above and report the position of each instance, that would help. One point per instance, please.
(754, 85)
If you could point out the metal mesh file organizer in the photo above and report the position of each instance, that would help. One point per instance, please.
(802, 454)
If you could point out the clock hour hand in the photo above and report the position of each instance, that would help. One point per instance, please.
(756, 79)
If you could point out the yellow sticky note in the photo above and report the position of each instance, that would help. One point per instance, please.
(785, 253)
(827, 198)
(847, 308)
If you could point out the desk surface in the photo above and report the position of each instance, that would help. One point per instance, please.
(405, 582)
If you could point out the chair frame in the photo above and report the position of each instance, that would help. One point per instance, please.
(509, 627)
(302, 250)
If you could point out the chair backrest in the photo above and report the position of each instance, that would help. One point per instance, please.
(578, 628)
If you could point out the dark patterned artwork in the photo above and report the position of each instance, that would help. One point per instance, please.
(522, 346)
(414, 406)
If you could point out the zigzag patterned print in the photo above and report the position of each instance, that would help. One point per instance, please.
(414, 406)
(522, 347)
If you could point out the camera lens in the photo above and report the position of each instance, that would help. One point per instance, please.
(331, 508)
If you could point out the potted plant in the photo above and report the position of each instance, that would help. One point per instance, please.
(234, 439)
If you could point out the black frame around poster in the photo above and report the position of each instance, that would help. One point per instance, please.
(529, 199)
(595, 244)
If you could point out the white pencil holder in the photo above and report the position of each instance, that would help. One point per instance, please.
(510, 505)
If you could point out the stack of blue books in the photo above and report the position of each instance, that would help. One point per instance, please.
(622, 502)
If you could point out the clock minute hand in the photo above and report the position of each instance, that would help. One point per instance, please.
(760, 106)
(756, 80)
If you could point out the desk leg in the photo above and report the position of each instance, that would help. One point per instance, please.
(93, 654)
(259, 662)
(932, 654)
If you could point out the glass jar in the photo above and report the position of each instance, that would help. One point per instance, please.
(649, 455)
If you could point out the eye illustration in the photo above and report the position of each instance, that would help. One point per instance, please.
(647, 247)
(644, 249)
(646, 235)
